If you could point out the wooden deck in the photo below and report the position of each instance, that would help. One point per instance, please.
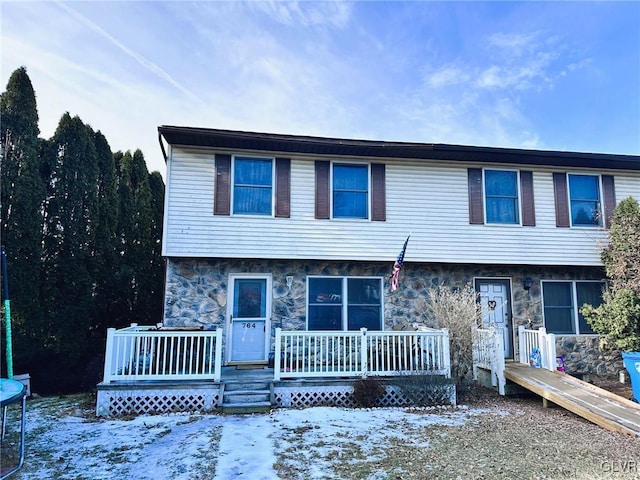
(588, 401)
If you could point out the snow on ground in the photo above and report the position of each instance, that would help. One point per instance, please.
(66, 442)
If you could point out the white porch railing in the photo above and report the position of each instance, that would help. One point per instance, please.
(147, 353)
(488, 353)
(360, 353)
(545, 342)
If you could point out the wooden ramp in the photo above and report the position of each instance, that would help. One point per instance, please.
(593, 403)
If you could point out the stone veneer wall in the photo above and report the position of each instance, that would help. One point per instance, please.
(196, 296)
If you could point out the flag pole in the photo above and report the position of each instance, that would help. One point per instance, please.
(397, 266)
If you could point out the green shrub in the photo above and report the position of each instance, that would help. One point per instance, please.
(618, 317)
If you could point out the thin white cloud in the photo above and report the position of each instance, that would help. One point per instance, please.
(334, 14)
(147, 64)
(516, 44)
(522, 62)
(447, 76)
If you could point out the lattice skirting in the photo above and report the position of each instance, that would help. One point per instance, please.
(117, 400)
(342, 396)
(136, 401)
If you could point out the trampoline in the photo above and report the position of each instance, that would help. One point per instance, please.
(13, 392)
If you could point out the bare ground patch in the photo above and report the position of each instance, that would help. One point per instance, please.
(489, 437)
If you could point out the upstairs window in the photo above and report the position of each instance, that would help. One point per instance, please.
(252, 186)
(501, 196)
(344, 303)
(584, 200)
(562, 302)
(350, 191)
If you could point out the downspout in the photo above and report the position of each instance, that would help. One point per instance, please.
(164, 152)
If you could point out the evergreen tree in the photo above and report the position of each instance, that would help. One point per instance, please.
(157, 262)
(71, 222)
(105, 257)
(138, 266)
(22, 195)
(82, 229)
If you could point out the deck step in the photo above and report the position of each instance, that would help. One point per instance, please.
(244, 408)
(239, 386)
(246, 397)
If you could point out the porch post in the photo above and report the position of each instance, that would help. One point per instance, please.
(522, 345)
(543, 347)
(363, 352)
(475, 347)
(278, 353)
(498, 361)
(217, 372)
(551, 351)
(108, 356)
(446, 353)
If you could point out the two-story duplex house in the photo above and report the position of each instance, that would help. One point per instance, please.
(267, 230)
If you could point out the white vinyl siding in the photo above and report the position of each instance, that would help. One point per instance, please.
(428, 200)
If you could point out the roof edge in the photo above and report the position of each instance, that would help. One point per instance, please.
(209, 137)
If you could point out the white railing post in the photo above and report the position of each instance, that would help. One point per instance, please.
(522, 345)
(543, 346)
(363, 352)
(217, 373)
(278, 353)
(108, 356)
(446, 353)
(498, 356)
(475, 350)
(549, 358)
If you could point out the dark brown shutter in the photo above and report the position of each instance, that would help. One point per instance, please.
(476, 214)
(322, 189)
(283, 187)
(222, 193)
(528, 204)
(378, 193)
(609, 198)
(561, 199)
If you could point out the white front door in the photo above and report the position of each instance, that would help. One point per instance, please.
(249, 311)
(496, 309)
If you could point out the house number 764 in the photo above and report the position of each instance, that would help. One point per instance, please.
(248, 325)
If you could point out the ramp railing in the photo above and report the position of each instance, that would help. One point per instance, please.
(545, 342)
(488, 353)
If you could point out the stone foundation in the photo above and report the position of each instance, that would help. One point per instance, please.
(196, 295)
(583, 356)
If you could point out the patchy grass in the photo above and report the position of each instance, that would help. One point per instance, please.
(491, 438)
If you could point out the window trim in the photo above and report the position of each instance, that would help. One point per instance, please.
(232, 184)
(331, 191)
(601, 219)
(574, 304)
(345, 304)
(518, 205)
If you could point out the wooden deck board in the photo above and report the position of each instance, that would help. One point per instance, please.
(590, 402)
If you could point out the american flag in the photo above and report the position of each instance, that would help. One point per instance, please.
(397, 266)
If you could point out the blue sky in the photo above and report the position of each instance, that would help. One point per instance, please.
(543, 75)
